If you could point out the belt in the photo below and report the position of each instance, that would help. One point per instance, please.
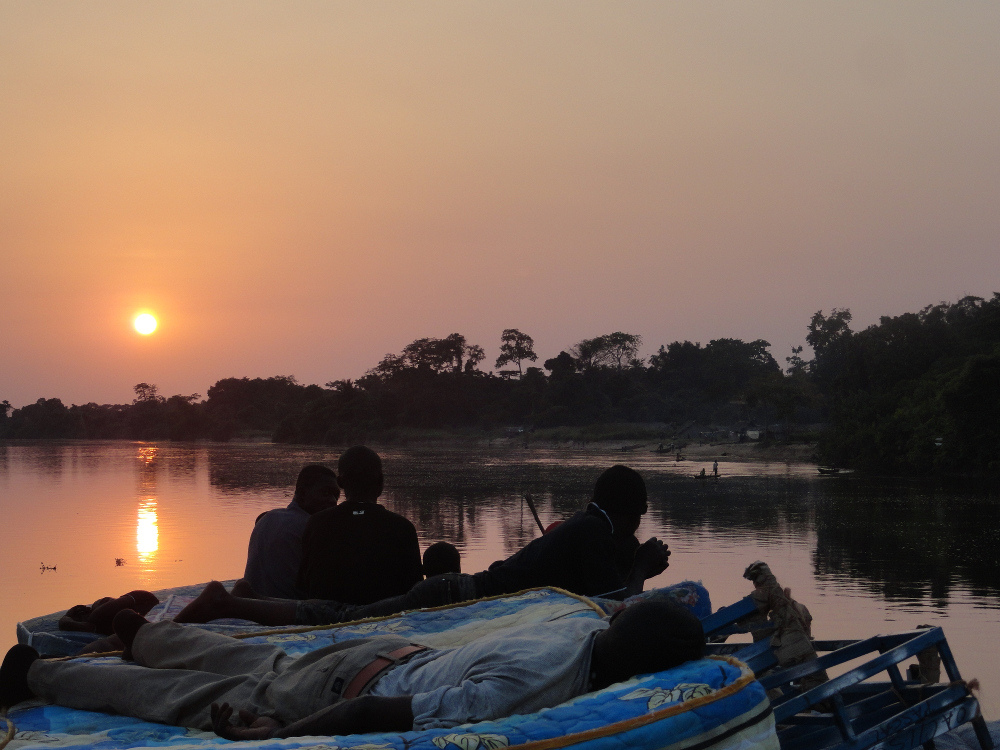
(376, 667)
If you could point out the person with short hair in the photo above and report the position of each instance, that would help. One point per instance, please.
(274, 553)
(441, 558)
(594, 553)
(192, 677)
(359, 552)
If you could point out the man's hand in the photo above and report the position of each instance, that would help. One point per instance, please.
(652, 558)
(257, 727)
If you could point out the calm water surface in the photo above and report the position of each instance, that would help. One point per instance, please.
(865, 557)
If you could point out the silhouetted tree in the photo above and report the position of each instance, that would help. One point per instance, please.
(829, 338)
(46, 418)
(612, 349)
(913, 393)
(144, 392)
(561, 366)
(618, 348)
(515, 347)
(474, 354)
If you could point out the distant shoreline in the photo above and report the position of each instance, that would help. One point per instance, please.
(731, 452)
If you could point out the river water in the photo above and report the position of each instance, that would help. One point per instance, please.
(82, 520)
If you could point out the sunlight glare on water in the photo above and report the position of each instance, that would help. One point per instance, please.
(147, 536)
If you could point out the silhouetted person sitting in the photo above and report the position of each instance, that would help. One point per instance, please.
(594, 553)
(441, 558)
(358, 552)
(274, 553)
(191, 677)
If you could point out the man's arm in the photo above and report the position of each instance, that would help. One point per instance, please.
(411, 566)
(651, 559)
(369, 713)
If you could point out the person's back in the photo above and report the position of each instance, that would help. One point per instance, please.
(359, 552)
(590, 554)
(274, 552)
(579, 555)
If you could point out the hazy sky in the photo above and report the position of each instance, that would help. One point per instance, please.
(299, 188)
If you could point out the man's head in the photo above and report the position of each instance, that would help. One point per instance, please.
(621, 493)
(442, 557)
(316, 488)
(359, 472)
(646, 637)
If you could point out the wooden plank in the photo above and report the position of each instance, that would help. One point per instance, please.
(918, 725)
(728, 616)
(858, 674)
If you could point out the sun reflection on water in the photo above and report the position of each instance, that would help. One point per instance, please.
(147, 535)
(147, 454)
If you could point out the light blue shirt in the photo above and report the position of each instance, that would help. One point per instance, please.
(275, 551)
(514, 671)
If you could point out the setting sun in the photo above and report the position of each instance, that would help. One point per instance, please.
(145, 324)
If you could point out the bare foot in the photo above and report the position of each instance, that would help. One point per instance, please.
(213, 602)
(103, 613)
(144, 600)
(103, 645)
(126, 624)
(244, 590)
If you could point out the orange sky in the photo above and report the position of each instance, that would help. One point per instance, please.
(299, 188)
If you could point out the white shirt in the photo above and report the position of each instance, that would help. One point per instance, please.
(514, 671)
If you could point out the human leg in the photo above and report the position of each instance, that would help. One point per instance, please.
(102, 645)
(433, 592)
(169, 696)
(14, 675)
(169, 646)
(215, 602)
(242, 588)
(179, 672)
(97, 617)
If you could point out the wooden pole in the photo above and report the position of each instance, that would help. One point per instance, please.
(531, 507)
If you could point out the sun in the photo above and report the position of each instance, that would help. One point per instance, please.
(145, 324)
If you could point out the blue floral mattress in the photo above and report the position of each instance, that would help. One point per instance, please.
(712, 703)
(44, 635)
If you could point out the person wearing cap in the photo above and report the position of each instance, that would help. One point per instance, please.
(195, 678)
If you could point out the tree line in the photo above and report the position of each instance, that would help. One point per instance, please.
(917, 393)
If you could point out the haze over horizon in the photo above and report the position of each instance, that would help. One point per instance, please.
(301, 188)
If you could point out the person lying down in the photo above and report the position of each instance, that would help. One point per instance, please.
(195, 678)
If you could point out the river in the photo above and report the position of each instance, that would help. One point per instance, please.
(88, 519)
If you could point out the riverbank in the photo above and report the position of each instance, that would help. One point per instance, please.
(804, 453)
(612, 439)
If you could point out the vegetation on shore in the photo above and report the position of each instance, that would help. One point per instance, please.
(918, 394)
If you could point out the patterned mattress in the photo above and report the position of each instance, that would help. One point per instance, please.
(712, 703)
